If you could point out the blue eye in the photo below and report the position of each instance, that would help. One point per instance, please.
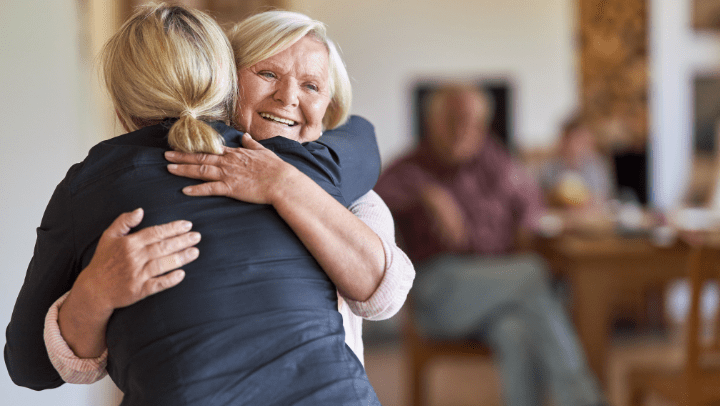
(267, 74)
(312, 87)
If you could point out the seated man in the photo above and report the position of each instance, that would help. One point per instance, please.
(461, 205)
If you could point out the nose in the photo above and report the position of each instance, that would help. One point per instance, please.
(287, 92)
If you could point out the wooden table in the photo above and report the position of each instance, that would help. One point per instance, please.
(599, 270)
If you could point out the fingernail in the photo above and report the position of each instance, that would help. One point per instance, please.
(169, 154)
(172, 167)
(186, 225)
(247, 135)
(193, 253)
(195, 237)
(187, 190)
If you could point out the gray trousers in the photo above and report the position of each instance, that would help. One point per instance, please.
(508, 303)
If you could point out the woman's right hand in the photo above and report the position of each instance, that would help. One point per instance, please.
(125, 269)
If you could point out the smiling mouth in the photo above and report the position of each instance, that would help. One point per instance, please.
(270, 117)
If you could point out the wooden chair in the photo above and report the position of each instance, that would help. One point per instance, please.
(697, 380)
(421, 350)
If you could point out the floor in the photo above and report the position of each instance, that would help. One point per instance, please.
(466, 382)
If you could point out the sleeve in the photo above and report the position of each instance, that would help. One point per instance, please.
(401, 184)
(527, 197)
(50, 274)
(399, 274)
(354, 149)
(71, 368)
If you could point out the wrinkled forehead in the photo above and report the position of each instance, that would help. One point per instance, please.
(307, 55)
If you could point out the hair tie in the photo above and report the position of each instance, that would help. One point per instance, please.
(189, 113)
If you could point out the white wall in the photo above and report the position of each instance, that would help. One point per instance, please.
(387, 45)
(45, 129)
(677, 53)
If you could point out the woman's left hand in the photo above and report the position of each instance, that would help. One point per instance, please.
(252, 174)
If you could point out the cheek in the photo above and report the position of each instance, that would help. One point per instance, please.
(247, 102)
(249, 88)
(241, 110)
(317, 109)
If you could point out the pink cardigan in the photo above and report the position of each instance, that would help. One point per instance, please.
(383, 304)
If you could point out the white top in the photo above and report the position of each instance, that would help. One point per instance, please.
(383, 304)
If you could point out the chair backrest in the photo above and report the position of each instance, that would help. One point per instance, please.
(703, 261)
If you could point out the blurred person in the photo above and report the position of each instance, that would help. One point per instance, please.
(578, 177)
(465, 210)
(244, 326)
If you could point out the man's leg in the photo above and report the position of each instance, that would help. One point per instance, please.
(511, 342)
(555, 340)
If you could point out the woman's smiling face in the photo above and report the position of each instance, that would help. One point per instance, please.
(287, 94)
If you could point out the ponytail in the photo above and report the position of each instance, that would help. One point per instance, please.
(189, 134)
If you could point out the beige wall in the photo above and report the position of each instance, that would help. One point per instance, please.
(50, 119)
(389, 44)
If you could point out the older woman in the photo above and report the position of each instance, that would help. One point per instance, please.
(259, 323)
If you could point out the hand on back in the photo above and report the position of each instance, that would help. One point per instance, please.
(128, 267)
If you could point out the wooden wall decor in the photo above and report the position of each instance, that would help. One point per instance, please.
(614, 70)
(226, 12)
(706, 14)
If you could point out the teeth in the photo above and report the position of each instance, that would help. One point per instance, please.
(278, 119)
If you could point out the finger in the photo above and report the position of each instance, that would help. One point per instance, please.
(151, 235)
(207, 189)
(160, 283)
(171, 245)
(192, 158)
(202, 172)
(170, 262)
(124, 223)
(249, 143)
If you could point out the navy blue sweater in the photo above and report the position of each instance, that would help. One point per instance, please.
(255, 320)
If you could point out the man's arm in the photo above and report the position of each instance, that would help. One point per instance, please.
(529, 206)
(408, 188)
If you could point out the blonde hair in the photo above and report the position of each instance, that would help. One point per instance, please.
(266, 34)
(171, 61)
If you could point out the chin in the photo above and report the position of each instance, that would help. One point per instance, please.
(269, 131)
